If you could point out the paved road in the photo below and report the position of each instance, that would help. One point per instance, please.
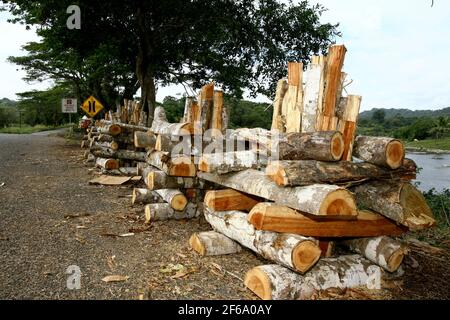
(45, 182)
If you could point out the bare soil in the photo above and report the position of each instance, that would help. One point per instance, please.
(51, 218)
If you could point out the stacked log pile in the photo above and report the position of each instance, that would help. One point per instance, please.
(291, 194)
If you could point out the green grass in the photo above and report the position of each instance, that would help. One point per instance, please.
(442, 144)
(25, 129)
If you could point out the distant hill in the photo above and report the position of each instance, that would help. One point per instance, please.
(6, 103)
(406, 113)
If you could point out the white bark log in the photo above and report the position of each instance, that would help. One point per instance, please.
(162, 126)
(227, 162)
(212, 243)
(174, 197)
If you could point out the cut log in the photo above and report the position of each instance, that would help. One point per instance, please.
(174, 197)
(177, 166)
(162, 126)
(125, 127)
(212, 243)
(292, 251)
(385, 152)
(217, 112)
(306, 172)
(107, 164)
(276, 218)
(160, 180)
(277, 122)
(145, 196)
(293, 100)
(319, 200)
(383, 251)
(113, 145)
(229, 200)
(333, 69)
(347, 124)
(100, 151)
(327, 247)
(111, 129)
(165, 143)
(188, 114)
(144, 139)
(313, 87)
(205, 101)
(398, 201)
(164, 212)
(274, 282)
(122, 138)
(227, 162)
(146, 172)
(128, 171)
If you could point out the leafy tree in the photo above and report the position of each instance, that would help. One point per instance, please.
(441, 127)
(237, 43)
(379, 116)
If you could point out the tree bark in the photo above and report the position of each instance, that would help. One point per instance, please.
(160, 180)
(229, 200)
(307, 172)
(400, 202)
(292, 251)
(144, 139)
(383, 251)
(274, 282)
(107, 164)
(276, 218)
(319, 200)
(277, 122)
(99, 151)
(162, 126)
(212, 243)
(164, 212)
(386, 152)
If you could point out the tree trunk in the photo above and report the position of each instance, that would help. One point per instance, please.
(160, 180)
(274, 282)
(307, 172)
(277, 120)
(99, 151)
(398, 201)
(383, 251)
(229, 200)
(174, 197)
(222, 163)
(293, 251)
(179, 166)
(212, 243)
(319, 200)
(276, 218)
(386, 152)
(107, 164)
(164, 212)
(145, 196)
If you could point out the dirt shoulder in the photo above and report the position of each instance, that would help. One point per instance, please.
(51, 218)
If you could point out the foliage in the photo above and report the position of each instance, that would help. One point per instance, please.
(8, 115)
(441, 144)
(26, 129)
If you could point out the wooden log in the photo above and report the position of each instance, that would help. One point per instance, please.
(227, 162)
(145, 196)
(333, 69)
(348, 123)
(128, 171)
(383, 251)
(188, 113)
(144, 139)
(327, 247)
(229, 200)
(399, 201)
(292, 251)
(313, 88)
(212, 243)
(319, 200)
(100, 151)
(277, 122)
(177, 166)
(84, 144)
(217, 112)
(321, 146)
(276, 218)
(111, 129)
(174, 197)
(293, 100)
(274, 282)
(306, 172)
(205, 101)
(122, 138)
(162, 126)
(165, 142)
(140, 167)
(164, 212)
(113, 145)
(125, 127)
(108, 164)
(160, 180)
(146, 173)
(90, 158)
(385, 152)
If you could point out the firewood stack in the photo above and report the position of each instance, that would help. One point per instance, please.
(298, 195)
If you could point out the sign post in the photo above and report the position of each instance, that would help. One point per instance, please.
(69, 106)
(92, 106)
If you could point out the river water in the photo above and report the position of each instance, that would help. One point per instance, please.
(435, 171)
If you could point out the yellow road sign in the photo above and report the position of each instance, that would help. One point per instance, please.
(92, 106)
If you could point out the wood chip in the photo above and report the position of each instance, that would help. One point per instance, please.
(115, 278)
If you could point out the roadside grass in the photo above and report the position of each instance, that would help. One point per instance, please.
(26, 129)
(441, 144)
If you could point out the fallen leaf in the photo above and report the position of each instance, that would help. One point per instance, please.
(181, 274)
(115, 278)
(2, 184)
(171, 268)
(111, 262)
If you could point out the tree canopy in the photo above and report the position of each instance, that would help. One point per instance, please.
(123, 45)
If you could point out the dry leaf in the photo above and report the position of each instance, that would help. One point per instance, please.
(111, 262)
(180, 274)
(115, 278)
(182, 255)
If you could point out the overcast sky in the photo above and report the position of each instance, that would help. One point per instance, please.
(397, 52)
